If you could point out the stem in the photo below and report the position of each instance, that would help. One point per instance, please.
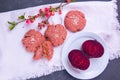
(21, 21)
(13, 25)
(64, 4)
(42, 15)
(59, 6)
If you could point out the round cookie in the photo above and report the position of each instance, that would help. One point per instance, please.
(32, 40)
(75, 21)
(56, 34)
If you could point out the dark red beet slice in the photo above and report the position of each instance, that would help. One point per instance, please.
(93, 48)
(78, 59)
(85, 65)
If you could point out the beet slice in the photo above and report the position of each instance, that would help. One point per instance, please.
(85, 65)
(78, 59)
(93, 49)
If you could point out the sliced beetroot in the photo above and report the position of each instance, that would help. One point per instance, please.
(93, 48)
(85, 65)
(78, 60)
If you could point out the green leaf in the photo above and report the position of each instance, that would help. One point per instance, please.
(52, 9)
(21, 17)
(72, 0)
(12, 23)
(12, 27)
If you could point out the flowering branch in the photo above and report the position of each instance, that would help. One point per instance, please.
(45, 13)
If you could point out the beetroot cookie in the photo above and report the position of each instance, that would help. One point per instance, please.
(38, 53)
(56, 34)
(47, 49)
(32, 40)
(75, 21)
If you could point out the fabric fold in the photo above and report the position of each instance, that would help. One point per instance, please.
(17, 64)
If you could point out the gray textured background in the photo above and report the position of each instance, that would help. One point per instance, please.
(112, 71)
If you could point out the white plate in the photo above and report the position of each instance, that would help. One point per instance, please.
(97, 65)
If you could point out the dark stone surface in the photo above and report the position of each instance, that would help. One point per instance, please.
(118, 3)
(7, 5)
(112, 71)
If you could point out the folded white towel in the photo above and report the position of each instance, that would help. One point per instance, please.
(17, 64)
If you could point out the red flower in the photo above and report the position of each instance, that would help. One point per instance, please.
(28, 21)
(68, 1)
(48, 14)
(32, 20)
(47, 9)
(40, 11)
(60, 11)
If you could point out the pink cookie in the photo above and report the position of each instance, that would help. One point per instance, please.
(75, 21)
(32, 40)
(56, 34)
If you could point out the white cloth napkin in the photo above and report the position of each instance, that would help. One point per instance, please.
(17, 64)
